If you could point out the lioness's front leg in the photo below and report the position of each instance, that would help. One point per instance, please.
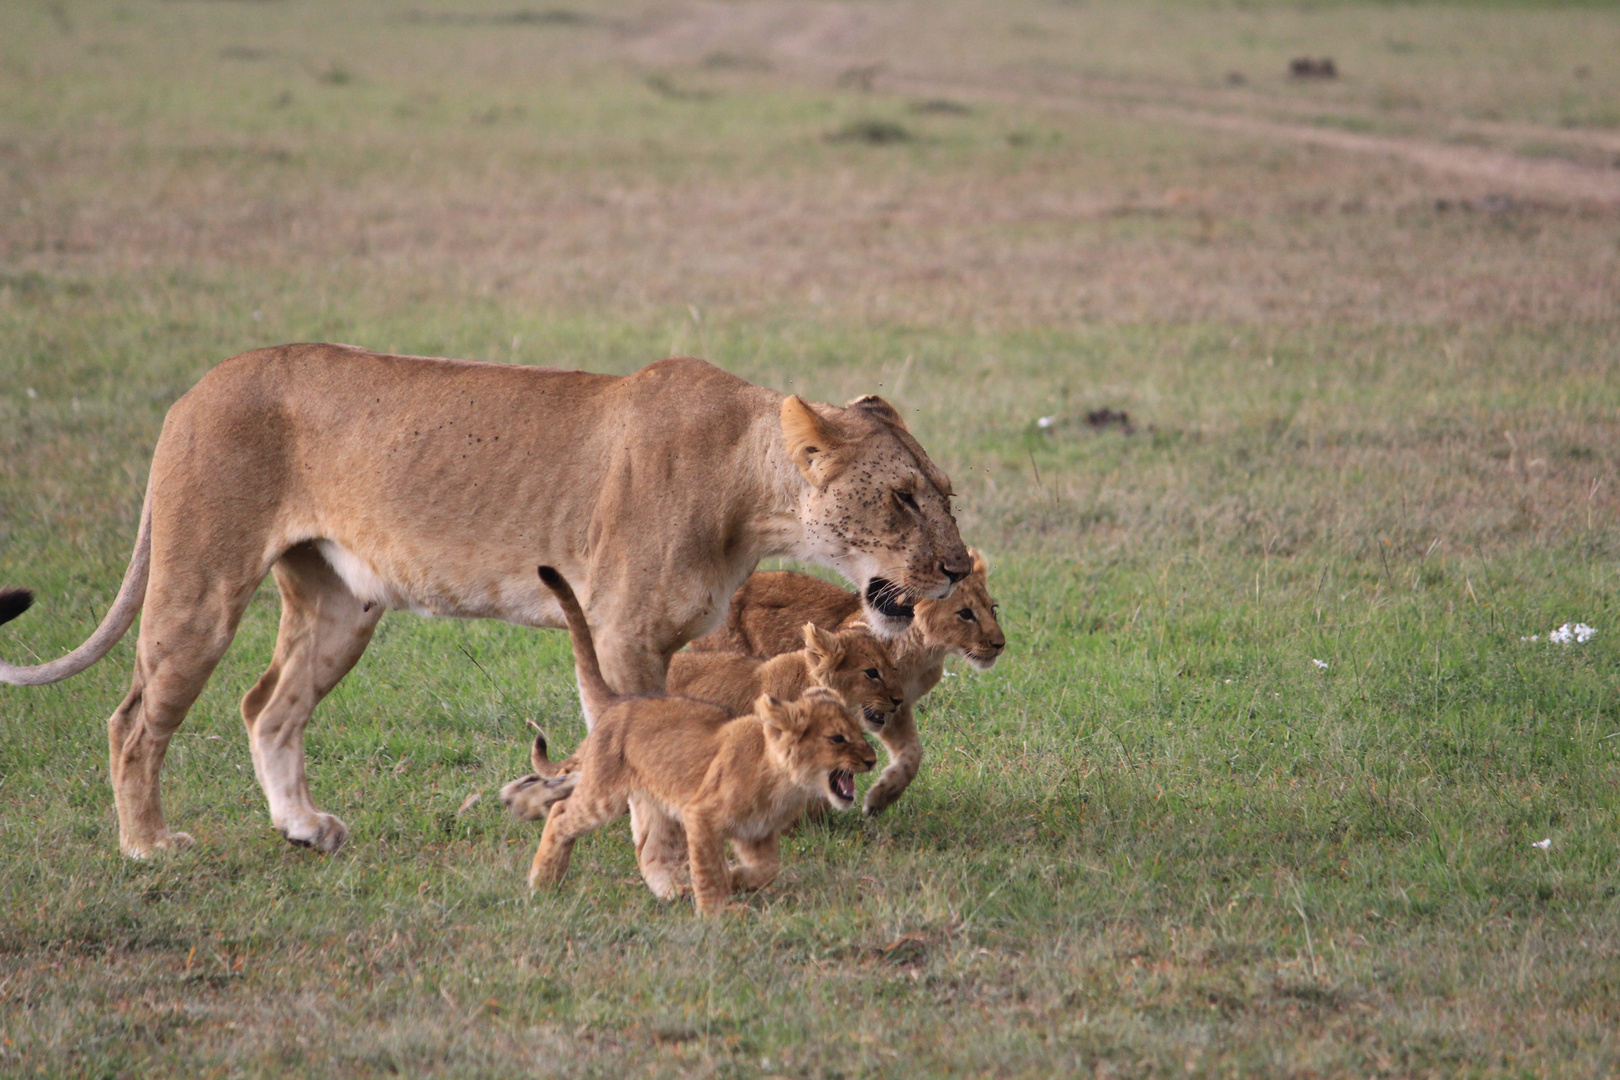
(900, 739)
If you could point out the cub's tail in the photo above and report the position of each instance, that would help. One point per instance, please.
(593, 689)
(131, 594)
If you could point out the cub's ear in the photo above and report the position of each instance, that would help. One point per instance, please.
(778, 714)
(879, 408)
(811, 442)
(824, 648)
(980, 567)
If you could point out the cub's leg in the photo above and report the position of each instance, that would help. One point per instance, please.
(711, 877)
(758, 862)
(899, 738)
(324, 629)
(586, 810)
(638, 669)
(189, 620)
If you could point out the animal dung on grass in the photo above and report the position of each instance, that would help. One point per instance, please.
(1308, 67)
(871, 132)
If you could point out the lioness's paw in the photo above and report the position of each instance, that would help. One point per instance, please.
(530, 798)
(169, 841)
(323, 832)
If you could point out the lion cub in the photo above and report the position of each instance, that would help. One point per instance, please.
(769, 609)
(849, 660)
(737, 778)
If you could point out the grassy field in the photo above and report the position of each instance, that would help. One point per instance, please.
(1258, 787)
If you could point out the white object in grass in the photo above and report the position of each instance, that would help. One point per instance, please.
(1543, 844)
(1579, 633)
(1322, 664)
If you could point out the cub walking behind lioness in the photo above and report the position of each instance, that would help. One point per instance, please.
(770, 609)
(724, 777)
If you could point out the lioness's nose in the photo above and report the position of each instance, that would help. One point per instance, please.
(955, 571)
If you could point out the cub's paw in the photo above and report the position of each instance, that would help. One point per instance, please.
(879, 799)
(530, 798)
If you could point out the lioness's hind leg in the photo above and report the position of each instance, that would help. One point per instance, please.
(324, 629)
(184, 632)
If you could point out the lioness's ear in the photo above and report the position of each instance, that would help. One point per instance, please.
(810, 441)
(875, 405)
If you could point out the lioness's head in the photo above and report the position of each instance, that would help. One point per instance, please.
(874, 507)
(859, 667)
(965, 622)
(817, 740)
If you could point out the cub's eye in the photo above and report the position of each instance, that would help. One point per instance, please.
(966, 614)
(871, 673)
(839, 739)
(909, 501)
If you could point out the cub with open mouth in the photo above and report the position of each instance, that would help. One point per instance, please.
(724, 777)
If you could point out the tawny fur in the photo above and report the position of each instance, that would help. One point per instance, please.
(741, 779)
(850, 661)
(771, 607)
(366, 482)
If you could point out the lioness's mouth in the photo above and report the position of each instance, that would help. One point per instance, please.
(841, 782)
(888, 599)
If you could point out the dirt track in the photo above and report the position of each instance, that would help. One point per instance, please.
(823, 42)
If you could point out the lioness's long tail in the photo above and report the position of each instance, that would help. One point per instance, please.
(117, 622)
(593, 688)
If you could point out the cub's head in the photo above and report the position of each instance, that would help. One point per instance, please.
(874, 507)
(965, 622)
(817, 740)
(859, 667)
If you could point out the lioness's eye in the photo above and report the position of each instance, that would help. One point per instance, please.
(908, 500)
(967, 613)
(871, 673)
(839, 739)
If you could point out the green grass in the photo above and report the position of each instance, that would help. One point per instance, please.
(1159, 838)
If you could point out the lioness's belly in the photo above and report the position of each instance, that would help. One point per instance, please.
(445, 586)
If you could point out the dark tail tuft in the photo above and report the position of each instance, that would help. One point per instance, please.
(549, 575)
(13, 602)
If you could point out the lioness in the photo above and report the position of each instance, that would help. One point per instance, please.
(769, 605)
(366, 481)
(725, 777)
